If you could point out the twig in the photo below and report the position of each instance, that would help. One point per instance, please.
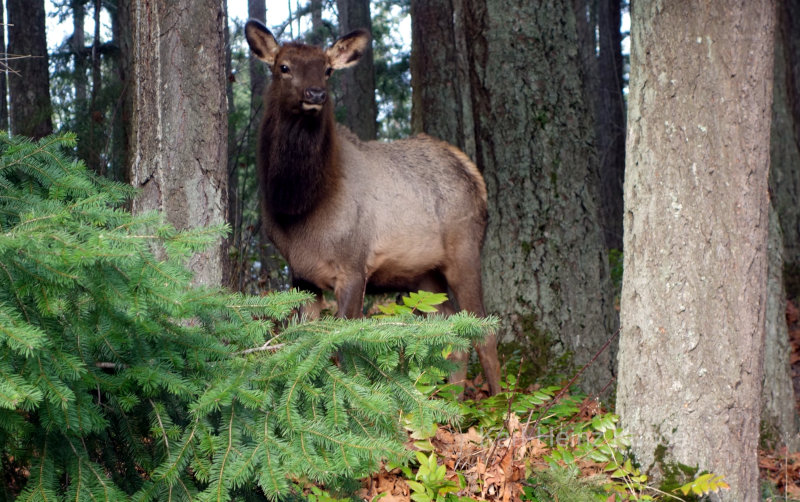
(265, 347)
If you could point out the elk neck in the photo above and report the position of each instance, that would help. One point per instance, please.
(299, 152)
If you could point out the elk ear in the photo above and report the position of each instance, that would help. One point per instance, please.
(261, 41)
(348, 50)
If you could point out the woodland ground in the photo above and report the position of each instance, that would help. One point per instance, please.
(495, 469)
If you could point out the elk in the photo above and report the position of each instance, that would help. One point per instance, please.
(349, 215)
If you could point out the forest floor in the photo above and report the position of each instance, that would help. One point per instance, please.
(494, 469)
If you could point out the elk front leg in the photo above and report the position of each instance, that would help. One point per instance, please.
(350, 297)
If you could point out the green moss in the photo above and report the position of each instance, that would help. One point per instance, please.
(673, 474)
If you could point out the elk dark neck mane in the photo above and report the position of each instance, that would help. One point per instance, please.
(299, 167)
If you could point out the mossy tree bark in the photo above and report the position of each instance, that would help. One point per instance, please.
(545, 264)
(179, 129)
(696, 224)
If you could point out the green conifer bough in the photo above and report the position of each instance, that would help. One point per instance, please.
(120, 381)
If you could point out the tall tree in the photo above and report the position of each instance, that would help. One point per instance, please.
(29, 83)
(357, 85)
(3, 81)
(609, 107)
(779, 420)
(696, 219)
(442, 98)
(178, 130)
(785, 151)
(545, 264)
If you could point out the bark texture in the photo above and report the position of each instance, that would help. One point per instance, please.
(696, 217)
(29, 83)
(545, 265)
(441, 98)
(178, 142)
(357, 84)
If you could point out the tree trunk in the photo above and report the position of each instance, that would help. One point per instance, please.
(3, 81)
(545, 265)
(696, 219)
(78, 43)
(257, 9)
(779, 420)
(317, 34)
(178, 145)
(121, 80)
(29, 83)
(269, 257)
(785, 152)
(97, 119)
(609, 107)
(441, 99)
(357, 84)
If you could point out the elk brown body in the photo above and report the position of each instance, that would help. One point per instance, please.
(348, 215)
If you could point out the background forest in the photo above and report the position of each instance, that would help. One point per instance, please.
(691, 349)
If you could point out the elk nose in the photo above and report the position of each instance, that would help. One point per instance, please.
(314, 95)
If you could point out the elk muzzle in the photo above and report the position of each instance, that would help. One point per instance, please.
(314, 98)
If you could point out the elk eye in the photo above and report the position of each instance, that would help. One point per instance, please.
(328, 72)
(284, 68)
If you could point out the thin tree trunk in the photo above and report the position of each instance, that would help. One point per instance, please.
(78, 49)
(268, 255)
(29, 83)
(357, 85)
(545, 266)
(96, 118)
(694, 292)
(121, 79)
(3, 80)
(179, 127)
(317, 35)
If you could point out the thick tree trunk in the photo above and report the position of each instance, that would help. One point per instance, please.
(696, 220)
(785, 151)
(29, 83)
(179, 126)
(778, 415)
(357, 84)
(610, 120)
(441, 99)
(779, 420)
(545, 264)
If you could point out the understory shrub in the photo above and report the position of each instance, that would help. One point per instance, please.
(121, 380)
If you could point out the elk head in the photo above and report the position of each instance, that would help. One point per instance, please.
(300, 72)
